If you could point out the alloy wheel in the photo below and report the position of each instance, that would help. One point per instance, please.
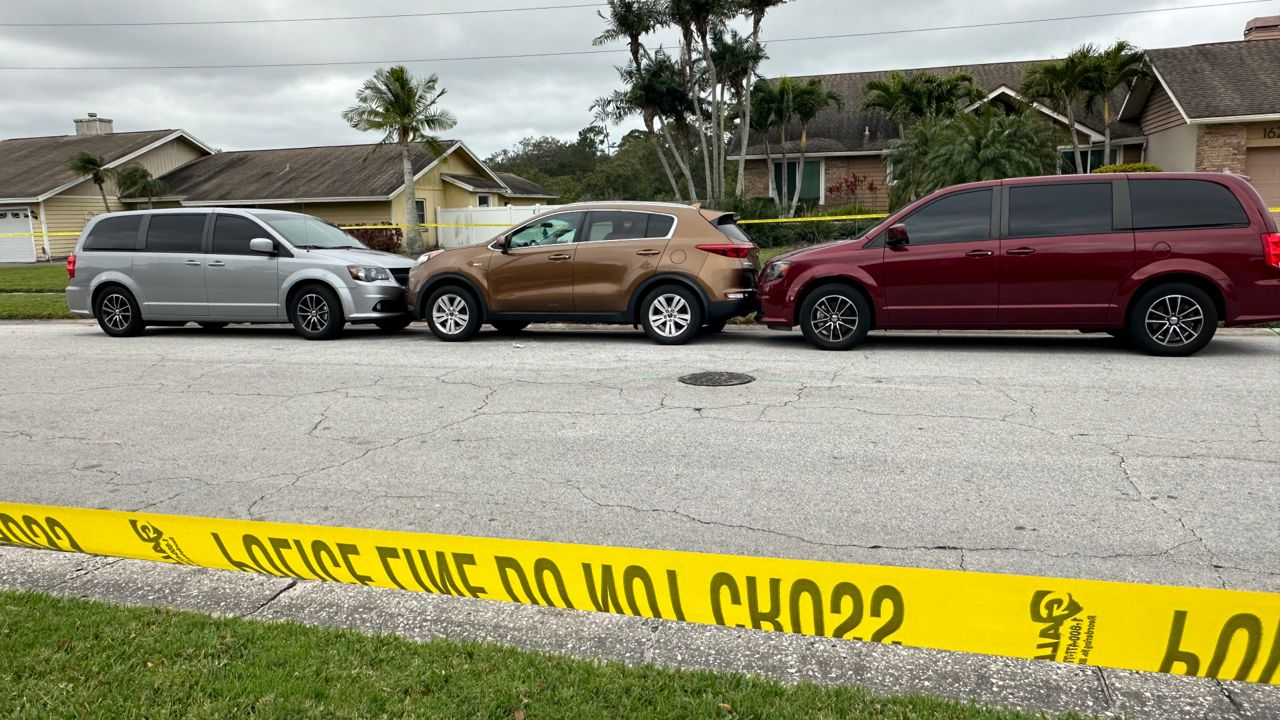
(313, 312)
(670, 315)
(451, 314)
(834, 318)
(116, 311)
(1175, 320)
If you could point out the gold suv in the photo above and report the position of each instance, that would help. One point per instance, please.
(672, 269)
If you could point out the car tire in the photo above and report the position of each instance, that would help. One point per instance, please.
(1173, 320)
(212, 326)
(453, 314)
(508, 327)
(316, 313)
(393, 325)
(713, 327)
(835, 317)
(118, 313)
(671, 315)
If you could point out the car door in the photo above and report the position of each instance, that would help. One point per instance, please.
(616, 252)
(170, 267)
(534, 274)
(241, 284)
(1062, 257)
(947, 274)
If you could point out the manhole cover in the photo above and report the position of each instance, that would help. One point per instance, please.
(716, 379)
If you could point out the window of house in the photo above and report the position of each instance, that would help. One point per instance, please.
(484, 200)
(1059, 209)
(117, 233)
(811, 185)
(175, 233)
(1169, 204)
(962, 217)
(421, 207)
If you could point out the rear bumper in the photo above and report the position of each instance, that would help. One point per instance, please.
(78, 301)
(729, 309)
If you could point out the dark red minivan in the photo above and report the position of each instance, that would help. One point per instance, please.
(1160, 258)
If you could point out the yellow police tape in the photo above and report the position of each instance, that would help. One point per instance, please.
(1226, 634)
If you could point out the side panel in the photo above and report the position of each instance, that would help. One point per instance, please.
(532, 279)
(606, 272)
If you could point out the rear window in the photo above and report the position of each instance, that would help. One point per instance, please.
(1060, 209)
(176, 233)
(617, 225)
(1173, 204)
(729, 228)
(114, 234)
(660, 226)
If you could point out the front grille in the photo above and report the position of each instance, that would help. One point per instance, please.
(401, 275)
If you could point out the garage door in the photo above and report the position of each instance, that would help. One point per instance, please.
(15, 236)
(1262, 165)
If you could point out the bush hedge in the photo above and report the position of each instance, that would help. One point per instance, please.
(1129, 168)
(385, 239)
(798, 233)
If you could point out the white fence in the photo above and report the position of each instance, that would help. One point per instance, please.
(453, 232)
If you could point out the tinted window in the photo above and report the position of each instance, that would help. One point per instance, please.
(730, 229)
(175, 233)
(231, 235)
(554, 230)
(1060, 209)
(1183, 204)
(617, 226)
(660, 225)
(117, 233)
(964, 217)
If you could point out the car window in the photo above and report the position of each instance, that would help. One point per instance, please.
(117, 233)
(175, 233)
(730, 229)
(962, 217)
(554, 230)
(309, 233)
(232, 233)
(1059, 209)
(660, 225)
(1169, 204)
(614, 225)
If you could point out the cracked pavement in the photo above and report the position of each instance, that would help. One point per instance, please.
(1029, 453)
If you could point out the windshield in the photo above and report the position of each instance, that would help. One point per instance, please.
(304, 231)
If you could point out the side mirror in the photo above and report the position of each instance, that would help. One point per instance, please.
(504, 243)
(897, 236)
(263, 246)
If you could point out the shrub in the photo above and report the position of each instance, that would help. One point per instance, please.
(797, 233)
(1129, 168)
(385, 239)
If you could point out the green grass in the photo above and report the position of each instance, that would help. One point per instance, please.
(63, 658)
(41, 277)
(767, 254)
(33, 306)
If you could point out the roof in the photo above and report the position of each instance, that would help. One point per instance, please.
(521, 187)
(36, 167)
(474, 182)
(1227, 79)
(854, 130)
(366, 171)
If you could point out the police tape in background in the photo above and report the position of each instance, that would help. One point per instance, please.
(1224, 634)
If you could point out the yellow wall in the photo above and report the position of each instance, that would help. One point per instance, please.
(341, 213)
(68, 213)
(438, 193)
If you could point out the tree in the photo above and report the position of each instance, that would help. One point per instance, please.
(755, 10)
(990, 145)
(630, 20)
(403, 108)
(764, 118)
(1064, 84)
(807, 101)
(95, 168)
(135, 181)
(909, 98)
(1122, 64)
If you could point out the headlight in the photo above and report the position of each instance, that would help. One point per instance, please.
(427, 256)
(775, 271)
(368, 273)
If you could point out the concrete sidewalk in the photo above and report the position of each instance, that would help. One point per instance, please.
(1001, 682)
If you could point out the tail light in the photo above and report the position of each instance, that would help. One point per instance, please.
(1271, 248)
(71, 267)
(728, 250)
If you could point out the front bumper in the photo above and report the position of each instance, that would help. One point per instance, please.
(374, 301)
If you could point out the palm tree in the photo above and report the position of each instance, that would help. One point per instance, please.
(403, 108)
(95, 168)
(683, 15)
(736, 58)
(709, 18)
(630, 20)
(908, 98)
(135, 181)
(755, 10)
(1064, 84)
(808, 100)
(763, 120)
(1122, 64)
(655, 88)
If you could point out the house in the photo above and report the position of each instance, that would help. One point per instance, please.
(1212, 107)
(39, 195)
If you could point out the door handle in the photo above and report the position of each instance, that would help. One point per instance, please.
(192, 263)
(978, 253)
(1021, 251)
(648, 252)
(217, 263)
(558, 257)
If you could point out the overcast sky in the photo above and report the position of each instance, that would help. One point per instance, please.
(497, 101)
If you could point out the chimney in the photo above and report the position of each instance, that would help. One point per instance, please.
(93, 125)
(1263, 28)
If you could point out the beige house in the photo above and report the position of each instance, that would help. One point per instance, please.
(39, 195)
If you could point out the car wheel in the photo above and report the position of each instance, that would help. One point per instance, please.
(1173, 320)
(453, 314)
(212, 325)
(714, 327)
(508, 327)
(671, 315)
(118, 313)
(835, 317)
(393, 325)
(316, 313)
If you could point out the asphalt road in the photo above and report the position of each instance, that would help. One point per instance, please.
(1034, 453)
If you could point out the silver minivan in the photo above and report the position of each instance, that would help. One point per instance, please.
(215, 266)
